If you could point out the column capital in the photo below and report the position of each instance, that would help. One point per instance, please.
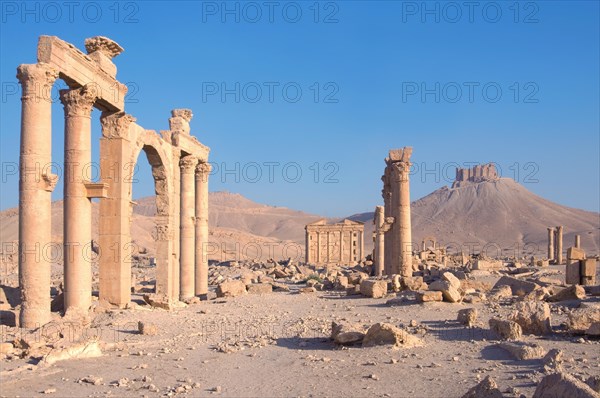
(116, 125)
(79, 101)
(401, 170)
(203, 170)
(188, 163)
(37, 80)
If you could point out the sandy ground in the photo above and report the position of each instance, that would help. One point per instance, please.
(280, 346)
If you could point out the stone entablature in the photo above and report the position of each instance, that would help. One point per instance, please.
(334, 244)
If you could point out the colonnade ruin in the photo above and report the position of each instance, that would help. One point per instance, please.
(179, 168)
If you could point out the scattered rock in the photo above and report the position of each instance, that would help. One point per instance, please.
(449, 291)
(373, 288)
(467, 316)
(582, 320)
(487, 388)
(507, 330)
(86, 349)
(517, 286)
(345, 333)
(159, 301)
(523, 351)
(559, 385)
(385, 333)
(573, 292)
(308, 289)
(553, 360)
(231, 289)
(260, 288)
(428, 296)
(534, 317)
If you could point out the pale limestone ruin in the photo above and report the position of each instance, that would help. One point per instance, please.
(382, 225)
(555, 244)
(478, 173)
(179, 167)
(334, 244)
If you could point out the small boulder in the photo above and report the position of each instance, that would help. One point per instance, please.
(147, 328)
(387, 334)
(573, 292)
(534, 317)
(449, 291)
(373, 288)
(345, 333)
(559, 385)
(260, 288)
(158, 301)
(517, 286)
(507, 330)
(523, 351)
(582, 320)
(467, 316)
(428, 296)
(231, 289)
(487, 388)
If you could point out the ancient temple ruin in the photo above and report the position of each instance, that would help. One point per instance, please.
(475, 174)
(555, 244)
(179, 167)
(395, 223)
(337, 244)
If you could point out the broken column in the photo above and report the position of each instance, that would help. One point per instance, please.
(382, 225)
(386, 192)
(551, 232)
(36, 184)
(77, 236)
(187, 166)
(397, 173)
(201, 243)
(578, 241)
(559, 245)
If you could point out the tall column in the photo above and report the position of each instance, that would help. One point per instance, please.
(36, 183)
(379, 222)
(387, 201)
(77, 253)
(342, 246)
(559, 245)
(114, 231)
(187, 166)
(578, 241)
(201, 258)
(361, 245)
(401, 202)
(551, 232)
(318, 248)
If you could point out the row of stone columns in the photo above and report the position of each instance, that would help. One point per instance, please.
(193, 237)
(394, 222)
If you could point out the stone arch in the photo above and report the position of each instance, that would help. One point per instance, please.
(426, 240)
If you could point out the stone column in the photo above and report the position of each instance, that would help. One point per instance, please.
(36, 183)
(578, 241)
(342, 246)
(201, 258)
(187, 165)
(318, 248)
(361, 246)
(77, 253)
(551, 232)
(559, 245)
(115, 223)
(379, 222)
(401, 203)
(387, 201)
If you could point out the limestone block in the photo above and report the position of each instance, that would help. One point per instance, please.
(375, 289)
(346, 333)
(429, 296)
(574, 292)
(518, 287)
(147, 328)
(580, 320)
(387, 334)
(231, 289)
(467, 316)
(487, 388)
(534, 317)
(507, 330)
(572, 274)
(558, 385)
(523, 351)
(450, 293)
(260, 288)
(574, 253)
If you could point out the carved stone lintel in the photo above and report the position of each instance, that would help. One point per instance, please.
(116, 125)
(188, 163)
(49, 181)
(37, 80)
(79, 101)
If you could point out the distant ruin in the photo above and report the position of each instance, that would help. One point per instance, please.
(334, 244)
(475, 174)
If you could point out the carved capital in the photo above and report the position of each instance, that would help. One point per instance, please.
(49, 181)
(186, 114)
(401, 170)
(162, 233)
(37, 80)
(203, 168)
(79, 102)
(106, 46)
(116, 125)
(188, 163)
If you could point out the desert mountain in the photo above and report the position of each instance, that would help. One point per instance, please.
(499, 213)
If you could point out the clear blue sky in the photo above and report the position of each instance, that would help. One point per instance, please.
(371, 62)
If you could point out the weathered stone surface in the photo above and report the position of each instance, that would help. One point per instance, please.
(450, 293)
(560, 385)
(534, 317)
(260, 288)
(159, 301)
(594, 383)
(387, 334)
(487, 388)
(523, 351)
(507, 330)
(308, 289)
(518, 287)
(345, 333)
(147, 328)
(467, 316)
(574, 292)
(500, 292)
(86, 349)
(553, 360)
(280, 287)
(581, 320)
(453, 280)
(429, 296)
(413, 283)
(372, 288)
(231, 289)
